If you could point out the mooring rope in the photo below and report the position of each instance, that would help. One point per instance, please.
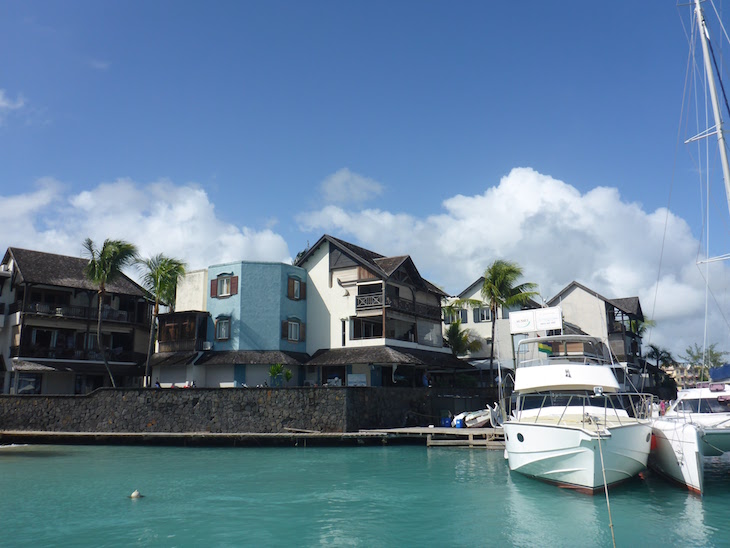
(605, 486)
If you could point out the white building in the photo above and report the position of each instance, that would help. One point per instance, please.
(373, 320)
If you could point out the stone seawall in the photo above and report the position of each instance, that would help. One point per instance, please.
(260, 410)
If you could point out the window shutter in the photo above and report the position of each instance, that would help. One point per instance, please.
(303, 290)
(285, 329)
(214, 288)
(476, 315)
(234, 285)
(290, 288)
(301, 332)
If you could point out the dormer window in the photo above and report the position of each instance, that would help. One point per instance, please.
(225, 285)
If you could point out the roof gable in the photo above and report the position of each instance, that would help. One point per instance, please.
(38, 267)
(381, 266)
(628, 305)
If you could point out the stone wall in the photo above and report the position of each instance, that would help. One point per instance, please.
(259, 410)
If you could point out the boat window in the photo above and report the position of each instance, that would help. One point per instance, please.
(719, 405)
(688, 406)
(705, 406)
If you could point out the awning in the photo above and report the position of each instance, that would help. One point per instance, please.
(484, 364)
(167, 359)
(387, 355)
(89, 368)
(252, 357)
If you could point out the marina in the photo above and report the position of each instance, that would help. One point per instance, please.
(363, 496)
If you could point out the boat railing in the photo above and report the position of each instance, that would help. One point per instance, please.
(636, 405)
(579, 359)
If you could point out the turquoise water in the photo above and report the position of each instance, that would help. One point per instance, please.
(353, 496)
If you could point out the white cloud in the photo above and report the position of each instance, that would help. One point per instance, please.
(98, 64)
(557, 235)
(344, 187)
(8, 105)
(160, 217)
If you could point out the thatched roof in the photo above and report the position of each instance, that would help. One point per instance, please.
(172, 358)
(37, 267)
(252, 357)
(387, 355)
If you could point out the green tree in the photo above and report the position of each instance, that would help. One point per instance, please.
(707, 359)
(499, 290)
(160, 278)
(105, 266)
(461, 340)
(662, 356)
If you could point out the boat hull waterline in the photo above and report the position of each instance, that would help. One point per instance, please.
(571, 456)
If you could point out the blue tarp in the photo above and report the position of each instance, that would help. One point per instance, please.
(721, 373)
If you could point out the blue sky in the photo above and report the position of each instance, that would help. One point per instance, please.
(243, 130)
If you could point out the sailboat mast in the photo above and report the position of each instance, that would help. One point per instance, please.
(705, 37)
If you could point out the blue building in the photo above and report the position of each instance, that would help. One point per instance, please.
(248, 317)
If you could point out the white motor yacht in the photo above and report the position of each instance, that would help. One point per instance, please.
(571, 425)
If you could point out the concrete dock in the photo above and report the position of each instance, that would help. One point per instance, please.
(488, 438)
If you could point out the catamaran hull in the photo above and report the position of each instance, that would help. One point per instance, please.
(571, 456)
(682, 445)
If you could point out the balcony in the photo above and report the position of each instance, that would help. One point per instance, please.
(45, 352)
(75, 312)
(374, 301)
(189, 345)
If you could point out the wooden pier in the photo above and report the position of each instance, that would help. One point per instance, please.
(488, 438)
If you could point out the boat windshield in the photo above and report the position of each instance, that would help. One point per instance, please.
(704, 405)
(545, 352)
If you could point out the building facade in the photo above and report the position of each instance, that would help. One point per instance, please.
(231, 323)
(48, 321)
(373, 320)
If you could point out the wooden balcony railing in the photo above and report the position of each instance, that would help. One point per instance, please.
(182, 345)
(77, 312)
(375, 300)
(36, 351)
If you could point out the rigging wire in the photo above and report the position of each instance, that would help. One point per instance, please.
(690, 57)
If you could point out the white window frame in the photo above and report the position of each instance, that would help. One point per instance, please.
(223, 333)
(224, 286)
(485, 314)
(293, 331)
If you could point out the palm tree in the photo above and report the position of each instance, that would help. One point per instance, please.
(499, 290)
(105, 266)
(160, 277)
(461, 340)
(662, 356)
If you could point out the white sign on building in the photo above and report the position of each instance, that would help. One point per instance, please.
(532, 321)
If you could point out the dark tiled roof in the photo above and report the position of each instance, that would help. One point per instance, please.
(252, 357)
(386, 355)
(630, 305)
(390, 264)
(172, 358)
(380, 265)
(63, 271)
